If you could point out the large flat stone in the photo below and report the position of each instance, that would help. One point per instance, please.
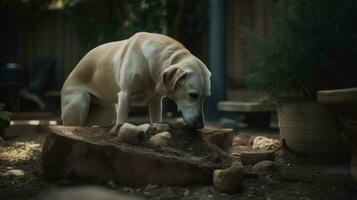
(93, 154)
(223, 138)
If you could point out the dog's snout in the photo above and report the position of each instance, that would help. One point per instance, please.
(196, 123)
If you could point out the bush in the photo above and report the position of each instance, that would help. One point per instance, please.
(117, 20)
(313, 46)
(4, 117)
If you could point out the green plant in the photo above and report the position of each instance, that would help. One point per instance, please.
(101, 21)
(120, 19)
(4, 117)
(312, 46)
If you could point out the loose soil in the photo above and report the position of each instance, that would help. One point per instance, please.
(184, 140)
(298, 177)
(186, 144)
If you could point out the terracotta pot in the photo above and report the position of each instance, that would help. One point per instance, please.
(307, 127)
(344, 103)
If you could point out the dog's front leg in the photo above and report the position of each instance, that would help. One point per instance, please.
(155, 109)
(122, 110)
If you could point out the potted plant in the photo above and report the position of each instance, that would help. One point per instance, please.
(312, 46)
(344, 103)
(4, 120)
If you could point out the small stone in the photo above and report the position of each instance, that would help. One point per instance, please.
(261, 142)
(150, 187)
(229, 180)
(145, 127)
(161, 139)
(147, 193)
(15, 172)
(131, 134)
(159, 127)
(253, 157)
(264, 166)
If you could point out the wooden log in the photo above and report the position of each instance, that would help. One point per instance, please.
(94, 155)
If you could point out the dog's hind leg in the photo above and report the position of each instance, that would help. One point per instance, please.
(75, 108)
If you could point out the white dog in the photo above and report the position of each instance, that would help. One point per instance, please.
(138, 71)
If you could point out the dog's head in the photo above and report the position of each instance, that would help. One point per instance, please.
(188, 84)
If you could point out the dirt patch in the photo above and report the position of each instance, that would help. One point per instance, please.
(298, 178)
(97, 155)
(186, 143)
(22, 153)
(184, 139)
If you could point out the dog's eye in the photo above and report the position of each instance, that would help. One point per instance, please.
(193, 95)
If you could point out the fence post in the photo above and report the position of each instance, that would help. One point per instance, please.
(217, 57)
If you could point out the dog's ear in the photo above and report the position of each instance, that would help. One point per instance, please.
(171, 78)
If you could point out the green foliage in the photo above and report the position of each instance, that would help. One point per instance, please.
(101, 21)
(313, 46)
(4, 117)
(119, 19)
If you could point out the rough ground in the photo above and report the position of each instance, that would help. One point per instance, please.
(297, 178)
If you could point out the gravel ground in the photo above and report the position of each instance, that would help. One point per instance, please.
(296, 178)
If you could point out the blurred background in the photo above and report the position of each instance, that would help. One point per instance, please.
(41, 41)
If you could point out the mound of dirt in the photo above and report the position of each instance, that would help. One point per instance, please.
(97, 155)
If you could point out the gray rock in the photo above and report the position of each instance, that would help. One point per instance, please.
(145, 127)
(253, 157)
(229, 180)
(15, 172)
(159, 127)
(160, 139)
(261, 142)
(131, 134)
(264, 167)
(223, 139)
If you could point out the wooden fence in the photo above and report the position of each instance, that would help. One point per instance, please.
(55, 36)
(254, 14)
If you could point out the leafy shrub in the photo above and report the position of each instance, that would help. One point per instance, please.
(120, 19)
(312, 46)
(101, 21)
(4, 117)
